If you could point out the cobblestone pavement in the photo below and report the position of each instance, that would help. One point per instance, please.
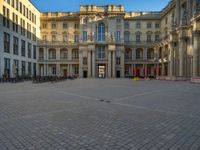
(95, 114)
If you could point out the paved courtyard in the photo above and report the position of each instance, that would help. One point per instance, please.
(100, 114)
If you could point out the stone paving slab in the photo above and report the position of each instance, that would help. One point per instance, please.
(95, 114)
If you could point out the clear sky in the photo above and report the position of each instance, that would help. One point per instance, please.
(73, 5)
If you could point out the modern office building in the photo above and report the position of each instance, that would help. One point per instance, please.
(19, 32)
(107, 41)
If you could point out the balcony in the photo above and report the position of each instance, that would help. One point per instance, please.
(141, 42)
(54, 43)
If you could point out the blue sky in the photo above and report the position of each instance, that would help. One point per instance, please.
(73, 5)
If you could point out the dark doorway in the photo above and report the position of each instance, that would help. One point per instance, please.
(85, 74)
(118, 74)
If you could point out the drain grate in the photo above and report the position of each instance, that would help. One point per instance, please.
(103, 100)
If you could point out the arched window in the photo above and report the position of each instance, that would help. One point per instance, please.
(101, 32)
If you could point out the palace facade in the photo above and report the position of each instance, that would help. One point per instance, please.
(107, 41)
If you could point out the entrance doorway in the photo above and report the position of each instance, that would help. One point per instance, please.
(118, 74)
(101, 71)
(65, 72)
(85, 74)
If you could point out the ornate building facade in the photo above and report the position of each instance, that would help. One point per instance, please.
(107, 41)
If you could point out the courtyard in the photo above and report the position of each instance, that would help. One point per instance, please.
(100, 114)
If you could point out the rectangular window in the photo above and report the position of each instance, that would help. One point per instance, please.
(29, 68)
(34, 69)
(53, 25)
(76, 26)
(84, 35)
(4, 16)
(138, 25)
(118, 36)
(34, 51)
(15, 45)
(118, 20)
(24, 10)
(44, 37)
(54, 70)
(16, 62)
(157, 25)
(75, 54)
(6, 42)
(8, 1)
(7, 67)
(138, 38)
(149, 25)
(157, 37)
(15, 22)
(118, 60)
(65, 38)
(64, 25)
(44, 25)
(8, 18)
(126, 25)
(76, 70)
(34, 34)
(148, 38)
(53, 38)
(84, 60)
(101, 52)
(20, 7)
(27, 13)
(76, 38)
(17, 5)
(13, 3)
(29, 31)
(29, 50)
(23, 67)
(23, 48)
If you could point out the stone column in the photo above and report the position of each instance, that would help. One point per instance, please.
(57, 54)
(181, 61)
(195, 53)
(80, 64)
(145, 54)
(163, 64)
(68, 70)
(171, 58)
(114, 63)
(145, 71)
(132, 74)
(45, 70)
(157, 70)
(93, 63)
(58, 69)
(133, 54)
(70, 54)
(109, 63)
(89, 63)
(122, 64)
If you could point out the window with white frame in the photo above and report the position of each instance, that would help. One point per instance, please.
(126, 36)
(101, 52)
(138, 25)
(118, 34)
(84, 35)
(101, 32)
